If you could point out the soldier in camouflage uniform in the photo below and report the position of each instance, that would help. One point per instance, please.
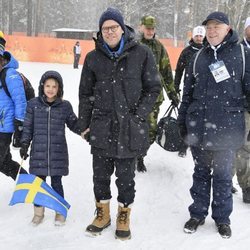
(147, 30)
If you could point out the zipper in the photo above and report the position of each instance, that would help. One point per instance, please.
(49, 109)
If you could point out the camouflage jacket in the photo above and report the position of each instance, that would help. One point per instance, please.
(163, 65)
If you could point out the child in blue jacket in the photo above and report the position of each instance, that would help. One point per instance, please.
(44, 129)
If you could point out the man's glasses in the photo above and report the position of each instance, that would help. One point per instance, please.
(113, 29)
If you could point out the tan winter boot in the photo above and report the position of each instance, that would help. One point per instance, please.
(59, 220)
(102, 219)
(122, 223)
(38, 215)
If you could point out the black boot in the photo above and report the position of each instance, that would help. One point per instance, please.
(246, 195)
(140, 165)
(192, 224)
(224, 230)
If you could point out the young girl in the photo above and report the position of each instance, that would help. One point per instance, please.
(44, 129)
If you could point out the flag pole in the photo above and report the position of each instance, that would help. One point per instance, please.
(21, 165)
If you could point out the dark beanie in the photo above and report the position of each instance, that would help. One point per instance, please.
(111, 14)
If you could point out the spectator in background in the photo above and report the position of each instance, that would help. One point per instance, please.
(246, 40)
(77, 54)
(195, 44)
(242, 160)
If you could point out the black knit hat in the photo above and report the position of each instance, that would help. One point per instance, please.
(51, 74)
(111, 14)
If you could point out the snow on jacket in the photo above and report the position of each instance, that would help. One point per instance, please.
(214, 112)
(112, 92)
(44, 127)
(12, 107)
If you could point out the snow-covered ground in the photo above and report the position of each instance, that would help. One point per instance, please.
(158, 215)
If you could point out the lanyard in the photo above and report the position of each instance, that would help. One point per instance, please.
(215, 50)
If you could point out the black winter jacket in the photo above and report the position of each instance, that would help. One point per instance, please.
(213, 113)
(114, 93)
(183, 62)
(44, 126)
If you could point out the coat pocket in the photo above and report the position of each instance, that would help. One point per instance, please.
(139, 134)
(100, 132)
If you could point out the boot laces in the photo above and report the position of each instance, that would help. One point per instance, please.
(99, 213)
(122, 218)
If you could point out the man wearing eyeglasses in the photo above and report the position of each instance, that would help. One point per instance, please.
(118, 88)
(147, 30)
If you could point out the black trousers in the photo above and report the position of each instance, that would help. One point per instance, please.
(103, 168)
(76, 60)
(7, 165)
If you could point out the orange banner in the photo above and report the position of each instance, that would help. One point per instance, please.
(55, 50)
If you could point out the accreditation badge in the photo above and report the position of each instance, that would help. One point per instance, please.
(219, 71)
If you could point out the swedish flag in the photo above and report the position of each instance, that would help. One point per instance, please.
(32, 189)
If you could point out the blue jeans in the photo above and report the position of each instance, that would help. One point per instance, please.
(212, 169)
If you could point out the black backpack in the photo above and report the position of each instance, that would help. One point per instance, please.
(29, 90)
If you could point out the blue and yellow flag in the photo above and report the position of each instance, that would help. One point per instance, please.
(32, 189)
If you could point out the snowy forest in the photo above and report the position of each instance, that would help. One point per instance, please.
(175, 18)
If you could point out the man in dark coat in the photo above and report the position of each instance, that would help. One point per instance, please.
(243, 155)
(195, 44)
(211, 120)
(118, 88)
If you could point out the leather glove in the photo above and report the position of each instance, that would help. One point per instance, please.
(183, 131)
(24, 151)
(18, 125)
(174, 99)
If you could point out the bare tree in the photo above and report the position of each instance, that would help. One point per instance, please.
(29, 17)
(38, 14)
(237, 11)
(10, 29)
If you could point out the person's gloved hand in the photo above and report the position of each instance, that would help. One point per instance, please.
(18, 125)
(174, 99)
(183, 131)
(24, 151)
